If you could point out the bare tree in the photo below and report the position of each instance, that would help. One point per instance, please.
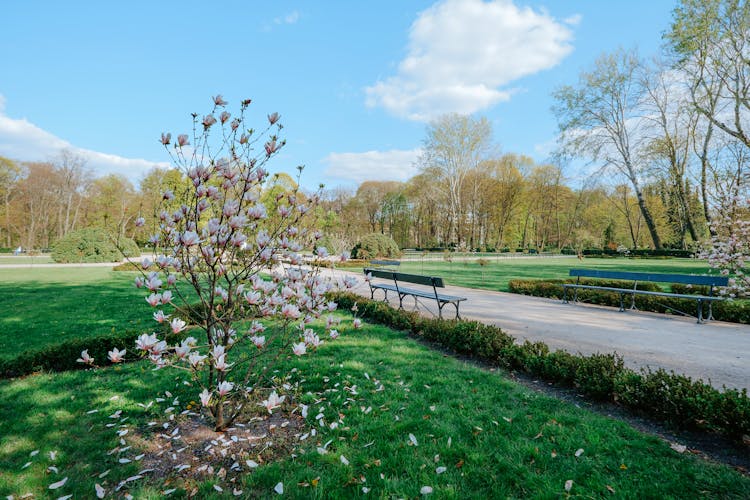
(455, 144)
(600, 119)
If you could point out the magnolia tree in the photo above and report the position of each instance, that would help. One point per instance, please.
(730, 247)
(224, 262)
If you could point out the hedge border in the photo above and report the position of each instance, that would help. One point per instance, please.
(675, 399)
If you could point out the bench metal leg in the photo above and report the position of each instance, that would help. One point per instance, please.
(565, 294)
(700, 311)
(622, 303)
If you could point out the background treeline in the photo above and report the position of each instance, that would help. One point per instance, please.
(651, 153)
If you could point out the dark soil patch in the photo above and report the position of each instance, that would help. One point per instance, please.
(187, 451)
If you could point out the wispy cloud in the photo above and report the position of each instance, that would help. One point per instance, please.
(22, 140)
(393, 165)
(290, 18)
(464, 54)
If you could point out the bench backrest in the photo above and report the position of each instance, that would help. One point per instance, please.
(687, 279)
(385, 263)
(408, 278)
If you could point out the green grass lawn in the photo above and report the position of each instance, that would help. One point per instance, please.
(495, 439)
(42, 306)
(26, 259)
(496, 274)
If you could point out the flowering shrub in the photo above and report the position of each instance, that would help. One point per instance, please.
(730, 248)
(216, 244)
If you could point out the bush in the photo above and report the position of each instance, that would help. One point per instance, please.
(92, 245)
(375, 245)
(673, 398)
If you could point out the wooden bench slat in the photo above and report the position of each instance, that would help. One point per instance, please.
(687, 279)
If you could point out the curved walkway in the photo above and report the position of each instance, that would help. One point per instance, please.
(717, 352)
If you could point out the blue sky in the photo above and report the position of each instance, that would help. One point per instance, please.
(355, 82)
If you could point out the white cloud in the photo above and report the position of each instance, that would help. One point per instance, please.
(463, 54)
(394, 165)
(22, 140)
(289, 18)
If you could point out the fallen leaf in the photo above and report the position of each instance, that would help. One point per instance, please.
(568, 485)
(279, 488)
(413, 440)
(58, 484)
(426, 490)
(99, 491)
(679, 448)
(610, 489)
(441, 469)
(579, 452)
(344, 460)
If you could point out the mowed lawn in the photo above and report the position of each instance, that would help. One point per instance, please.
(409, 416)
(43, 306)
(496, 274)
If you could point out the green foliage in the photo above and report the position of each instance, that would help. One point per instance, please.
(640, 252)
(669, 397)
(92, 245)
(375, 245)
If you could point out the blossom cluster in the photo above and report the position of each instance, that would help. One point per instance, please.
(730, 247)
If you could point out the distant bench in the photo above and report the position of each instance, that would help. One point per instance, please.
(395, 284)
(685, 279)
(384, 263)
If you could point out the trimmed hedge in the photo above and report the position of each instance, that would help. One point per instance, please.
(733, 311)
(676, 399)
(62, 357)
(640, 252)
(92, 245)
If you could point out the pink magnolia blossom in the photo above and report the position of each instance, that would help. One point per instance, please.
(85, 358)
(196, 359)
(299, 349)
(334, 334)
(190, 238)
(224, 388)
(273, 401)
(177, 325)
(146, 342)
(115, 355)
(290, 311)
(154, 299)
(139, 282)
(256, 327)
(166, 138)
(357, 323)
(258, 341)
(224, 116)
(140, 221)
(219, 100)
(208, 120)
(182, 140)
(160, 317)
(271, 147)
(205, 397)
(166, 297)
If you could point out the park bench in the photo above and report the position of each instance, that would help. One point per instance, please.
(686, 279)
(395, 284)
(379, 264)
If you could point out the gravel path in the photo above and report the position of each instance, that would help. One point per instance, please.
(717, 352)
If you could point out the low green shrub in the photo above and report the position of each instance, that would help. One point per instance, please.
(62, 357)
(375, 245)
(92, 245)
(672, 398)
